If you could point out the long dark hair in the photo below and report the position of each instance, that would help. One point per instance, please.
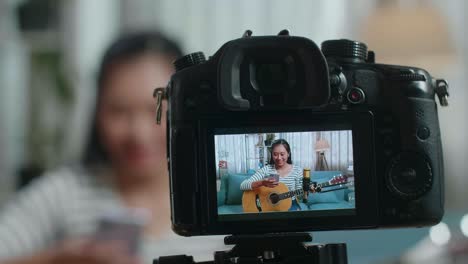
(126, 47)
(285, 145)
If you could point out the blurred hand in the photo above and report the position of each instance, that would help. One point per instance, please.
(92, 252)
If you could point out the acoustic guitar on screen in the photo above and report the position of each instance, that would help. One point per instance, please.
(277, 199)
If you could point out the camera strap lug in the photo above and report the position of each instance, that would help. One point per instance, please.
(160, 94)
(247, 33)
(283, 32)
(442, 91)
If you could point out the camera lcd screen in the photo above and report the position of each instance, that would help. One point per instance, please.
(284, 174)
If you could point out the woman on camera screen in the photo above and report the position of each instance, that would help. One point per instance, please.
(280, 164)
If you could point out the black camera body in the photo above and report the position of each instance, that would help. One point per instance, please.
(287, 84)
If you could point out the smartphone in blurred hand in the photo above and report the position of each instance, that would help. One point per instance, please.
(123, 226)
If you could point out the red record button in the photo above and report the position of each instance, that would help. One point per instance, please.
(356, 96)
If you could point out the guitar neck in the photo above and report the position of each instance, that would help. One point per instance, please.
(325, 184)
(290, 194)
(333, 183)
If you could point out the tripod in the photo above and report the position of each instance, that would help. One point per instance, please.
(284, 248)
(321, 161)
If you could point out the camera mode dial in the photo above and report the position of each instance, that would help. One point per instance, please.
(189, 60)
(346, 49)
(409, 176)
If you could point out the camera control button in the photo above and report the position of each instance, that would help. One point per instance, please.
(407, 75)
(409, 176)
(338, 81)
(356, 95)
(423, 133)
(335, 80)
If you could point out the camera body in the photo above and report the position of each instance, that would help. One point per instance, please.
(287, 84)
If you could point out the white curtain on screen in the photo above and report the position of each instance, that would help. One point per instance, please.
(241, 153)
(340, 154)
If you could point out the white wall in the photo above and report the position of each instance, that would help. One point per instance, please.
(453, 120)
(205, 25)
(88, 28)
(13, 96)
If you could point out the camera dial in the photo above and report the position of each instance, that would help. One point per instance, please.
(345, 49)
(189, 60)
(409, 176)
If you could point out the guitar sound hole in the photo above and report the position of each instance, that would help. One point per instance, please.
(274, 198)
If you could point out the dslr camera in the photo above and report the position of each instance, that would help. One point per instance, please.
(286, 86)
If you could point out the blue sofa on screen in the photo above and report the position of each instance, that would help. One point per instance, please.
(230, 195)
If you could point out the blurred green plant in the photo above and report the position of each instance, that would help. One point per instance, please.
(51, 89)
(52, 60)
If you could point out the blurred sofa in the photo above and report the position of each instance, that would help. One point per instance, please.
(230, 196)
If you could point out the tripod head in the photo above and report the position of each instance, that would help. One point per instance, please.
(278, 248)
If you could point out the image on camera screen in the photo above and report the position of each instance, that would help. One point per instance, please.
(283, 173)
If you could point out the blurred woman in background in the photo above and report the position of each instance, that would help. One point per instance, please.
(56, 219)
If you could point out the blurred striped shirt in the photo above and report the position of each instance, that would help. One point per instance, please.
(68, 204)
(55, 206)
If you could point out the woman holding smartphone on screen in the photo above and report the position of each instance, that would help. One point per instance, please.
(279, 169)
